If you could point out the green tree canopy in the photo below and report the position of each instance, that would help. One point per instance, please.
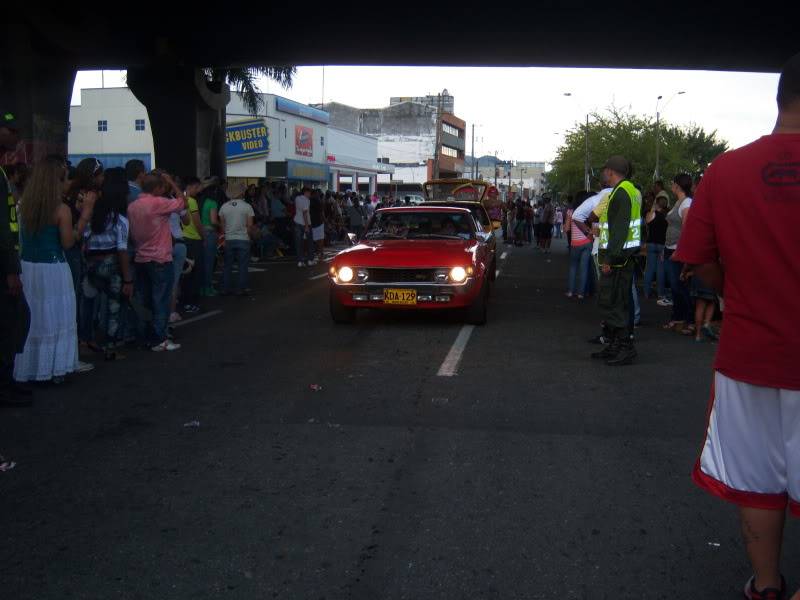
(682, 149)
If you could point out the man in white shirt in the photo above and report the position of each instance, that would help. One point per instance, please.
(236, 219)
(302, 227)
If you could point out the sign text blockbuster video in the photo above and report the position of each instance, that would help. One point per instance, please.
(245, 140)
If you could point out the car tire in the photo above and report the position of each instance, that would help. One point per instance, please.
(477, 311)
(339, 312)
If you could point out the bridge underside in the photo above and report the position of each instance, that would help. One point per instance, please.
(42, 52)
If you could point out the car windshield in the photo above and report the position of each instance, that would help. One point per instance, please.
(455, 191)
(477, 210)
(421, 225)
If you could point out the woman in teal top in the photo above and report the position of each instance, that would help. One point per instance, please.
(46, 230)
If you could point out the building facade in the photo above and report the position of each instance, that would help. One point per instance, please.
(286, 141)
(407, 132)
(110, 125)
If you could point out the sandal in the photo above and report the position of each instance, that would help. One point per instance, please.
(93, 347)
(672, 325)
(709, 333)
(688, 330)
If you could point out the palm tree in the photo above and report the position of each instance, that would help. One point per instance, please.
(243, 81)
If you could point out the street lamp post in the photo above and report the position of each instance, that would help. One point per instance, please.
(656, 173)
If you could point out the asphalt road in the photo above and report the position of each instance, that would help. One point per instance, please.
(533, 472)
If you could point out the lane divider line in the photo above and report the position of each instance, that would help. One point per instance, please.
(497, 274)
(504, 256)
(195, 319)
(449, 367)
(320, 276)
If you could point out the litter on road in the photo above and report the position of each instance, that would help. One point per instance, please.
(6, 465)
(192, 424)
(315, 388)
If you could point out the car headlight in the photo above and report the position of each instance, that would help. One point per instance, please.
(458, 274)
(345, 275)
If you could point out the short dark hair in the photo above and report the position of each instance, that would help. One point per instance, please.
(659, 183)
(134, 168)
(684, 181)
(189, 180)
(789, 83)
(151, 183)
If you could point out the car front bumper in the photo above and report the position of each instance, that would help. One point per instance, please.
(429, 296)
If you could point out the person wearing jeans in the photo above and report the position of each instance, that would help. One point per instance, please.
(682, 309)
(149, 217)
(237, 220)
(579, 257)
(238, 252)
(154, 284)
(654, 270)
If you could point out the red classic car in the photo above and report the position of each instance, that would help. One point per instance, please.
(420, 257)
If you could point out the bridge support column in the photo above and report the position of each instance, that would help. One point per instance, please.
(186, 116)
(37, 88)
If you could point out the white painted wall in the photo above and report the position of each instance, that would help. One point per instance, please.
(120, 108)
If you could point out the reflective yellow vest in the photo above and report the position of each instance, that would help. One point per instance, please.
(13, 225)
(634, 239)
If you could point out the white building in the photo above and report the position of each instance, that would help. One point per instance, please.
(112, 125)
(285, 141)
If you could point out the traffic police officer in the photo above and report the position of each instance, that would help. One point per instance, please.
(14, 313)
(620, 220)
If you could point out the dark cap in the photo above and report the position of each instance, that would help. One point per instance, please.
(7, 119)
(619, 164)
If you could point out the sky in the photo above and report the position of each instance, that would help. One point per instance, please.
(522, 113)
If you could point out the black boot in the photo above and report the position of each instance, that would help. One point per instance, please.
(610, 351)
(626, 354)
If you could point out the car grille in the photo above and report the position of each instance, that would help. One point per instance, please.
(401, 275)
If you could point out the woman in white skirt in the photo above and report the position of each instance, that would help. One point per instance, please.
(46, 230)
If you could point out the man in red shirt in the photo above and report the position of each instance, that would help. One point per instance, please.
(751, 455)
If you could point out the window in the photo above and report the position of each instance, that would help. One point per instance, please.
(322, 140)
(139, 124)
(448, 151)
(450, 129)
(102, 126)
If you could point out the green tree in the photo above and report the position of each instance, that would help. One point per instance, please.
(243, 82)
(681, 149)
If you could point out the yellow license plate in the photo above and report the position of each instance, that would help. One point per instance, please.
(394, 296)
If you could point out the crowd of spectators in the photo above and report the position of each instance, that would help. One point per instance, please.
(670, 283)
(114, 257)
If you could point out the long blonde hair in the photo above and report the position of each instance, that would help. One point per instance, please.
(42, 196)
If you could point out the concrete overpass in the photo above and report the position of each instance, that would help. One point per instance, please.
(42, 51)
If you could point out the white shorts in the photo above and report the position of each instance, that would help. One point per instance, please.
(752, 450)
(318, 233)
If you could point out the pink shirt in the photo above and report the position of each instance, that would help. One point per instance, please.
(149, 222)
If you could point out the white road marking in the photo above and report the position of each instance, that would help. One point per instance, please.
(255, 270)
(497, 274)
(504, 256)
(320, 276)
(195, 319)
(450, 364)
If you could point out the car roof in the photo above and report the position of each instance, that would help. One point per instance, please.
(423, 208)
(453, 203)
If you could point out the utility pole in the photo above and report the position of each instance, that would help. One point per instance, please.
(437, 150)
(474, 166)
(586, 159)
(655, 174)
(495, 168)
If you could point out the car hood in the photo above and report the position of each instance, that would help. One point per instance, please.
(409, 253)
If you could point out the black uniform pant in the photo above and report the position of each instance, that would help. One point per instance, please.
(15, 320)
(614, 298)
